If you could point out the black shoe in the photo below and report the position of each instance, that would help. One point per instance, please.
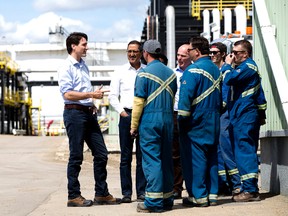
(213, 203)
(141, 198)
(167, 208)
(126, 199)
(203, 204)
(187, 203)
(79, 202)
(142, 208)
(177, 195)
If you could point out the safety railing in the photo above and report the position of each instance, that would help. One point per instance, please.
(197, 6)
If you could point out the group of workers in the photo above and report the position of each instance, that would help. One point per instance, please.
(190, 124)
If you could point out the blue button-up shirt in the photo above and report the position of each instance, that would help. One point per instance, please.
(74, 76)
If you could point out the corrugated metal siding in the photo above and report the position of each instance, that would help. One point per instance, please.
(278, 14)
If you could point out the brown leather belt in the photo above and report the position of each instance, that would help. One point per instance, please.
(87, 109)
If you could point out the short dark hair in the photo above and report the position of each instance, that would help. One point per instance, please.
(164, 58)
(137, 43)
(246, 45)
(74, 38)
(221, 46)
(201, 43)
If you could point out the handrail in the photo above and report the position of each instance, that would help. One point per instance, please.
(198, 6)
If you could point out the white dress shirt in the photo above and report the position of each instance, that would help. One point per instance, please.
(179, 72)
(122, 87)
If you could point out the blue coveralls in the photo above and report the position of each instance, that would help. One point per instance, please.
(244, 98)
(199, 126)
(226, 159)
(157, 85)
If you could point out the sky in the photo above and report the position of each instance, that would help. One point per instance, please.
(29, 21)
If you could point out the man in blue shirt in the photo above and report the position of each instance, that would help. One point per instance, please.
(80, 119)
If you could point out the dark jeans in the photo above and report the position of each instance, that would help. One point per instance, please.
(178, 177)
(83, 126)
(126, 145)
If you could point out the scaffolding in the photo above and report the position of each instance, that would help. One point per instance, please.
(197, 6)
(15, 102)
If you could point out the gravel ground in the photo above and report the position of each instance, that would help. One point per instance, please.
(33, 182)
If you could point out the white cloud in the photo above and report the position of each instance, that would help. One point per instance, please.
(44, 5)
(102, 20)
(121, 30)
(37, 29)
(5, 26)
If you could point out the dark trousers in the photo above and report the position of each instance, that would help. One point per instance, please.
(83, 126)
(178, 178)
(126, 145)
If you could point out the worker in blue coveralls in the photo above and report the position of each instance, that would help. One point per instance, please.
(229, 178)
(245, 116)
(199, 125)
(152, 116)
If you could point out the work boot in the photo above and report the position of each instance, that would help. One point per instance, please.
(246, 197)
(144, 209)
(79, 202)
(236, 191)
(106, 200)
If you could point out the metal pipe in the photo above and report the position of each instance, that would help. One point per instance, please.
(206, 25)
(270, 44)
(227, 21)
(170, 35)
(241, 20)
(216, 21)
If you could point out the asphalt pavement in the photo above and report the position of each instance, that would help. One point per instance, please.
(33, 183)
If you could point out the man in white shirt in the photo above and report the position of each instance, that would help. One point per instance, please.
(183, 61)
(121, 99)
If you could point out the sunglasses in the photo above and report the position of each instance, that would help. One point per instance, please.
(237, 52)
(213, 52)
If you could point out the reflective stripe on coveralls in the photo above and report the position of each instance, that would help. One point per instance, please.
(246, 100)
(160, 195)
(156, 86)
(233, 171)
(163, 85)
(210, 87)
(216, 84)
